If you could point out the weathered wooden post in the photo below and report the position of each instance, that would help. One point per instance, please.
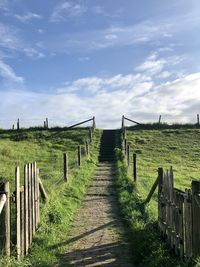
(65, 159)
(160, 187)
(38, 195)
(33, 196)
(196, 217)
(30, 205)
(87, 147)
(47, 123)
(90, 135)
(7, 220)
(22, 220)
(124, 133)
(18, 220)
(198, 119)
(79, 155)
(122, 122)
(134, 167)
(94, 124)
(128, 154)
(159, 121)
(26, 226)
(18, 124)
(13, 127)
(125, 146)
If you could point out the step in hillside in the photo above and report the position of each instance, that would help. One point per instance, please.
(107, 146)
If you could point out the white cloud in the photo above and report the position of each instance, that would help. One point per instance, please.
(27, 17)
(66, 10)
(7, 73)
(178, 100)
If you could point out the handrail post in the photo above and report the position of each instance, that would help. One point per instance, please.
(122, 122)
(94, 124)
(79, 155)
(65, 165)
(128, 154)
(90, 135)
(135, 167)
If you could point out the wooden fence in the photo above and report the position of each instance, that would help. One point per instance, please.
(178, 214)
(20, 211)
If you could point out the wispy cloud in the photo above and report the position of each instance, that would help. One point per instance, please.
(11, 43)
(67, 9)
(107, 38)
(8, 74)
(27, 17)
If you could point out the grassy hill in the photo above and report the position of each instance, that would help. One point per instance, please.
(164, 146)
(179, 148)
(46, 147)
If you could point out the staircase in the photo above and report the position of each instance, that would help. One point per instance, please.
(107, 146)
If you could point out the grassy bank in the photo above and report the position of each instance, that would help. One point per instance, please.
(146, 247)
(63, 199)
(155, 147)
(179, 148)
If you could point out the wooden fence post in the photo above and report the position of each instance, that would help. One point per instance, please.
(22, 221)
(79, 155)
(38, 197)
(18, 124)
(33, 196)
(122, 122)
(65, 159)
(7, 220)
(13, 127)
(94, 124)
(198, 119)
(160, 188)
(196, 217)
(159, 121)
(87, 147)
(90, 135)
(26, 213)
(124, 133)
(134, 167)
(30, 206)
(125, 146)
(18, 220)
(128, 154)
(47, 123)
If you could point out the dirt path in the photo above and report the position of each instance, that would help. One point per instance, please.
(97, 235)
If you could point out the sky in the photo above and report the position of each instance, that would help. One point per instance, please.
(72, 60)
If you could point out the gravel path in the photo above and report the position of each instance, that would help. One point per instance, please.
(96, 238)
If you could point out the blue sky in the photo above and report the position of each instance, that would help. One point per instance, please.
(71, 60)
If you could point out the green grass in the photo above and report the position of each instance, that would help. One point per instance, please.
(177, 146)
(146, 247)
(47, 147)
